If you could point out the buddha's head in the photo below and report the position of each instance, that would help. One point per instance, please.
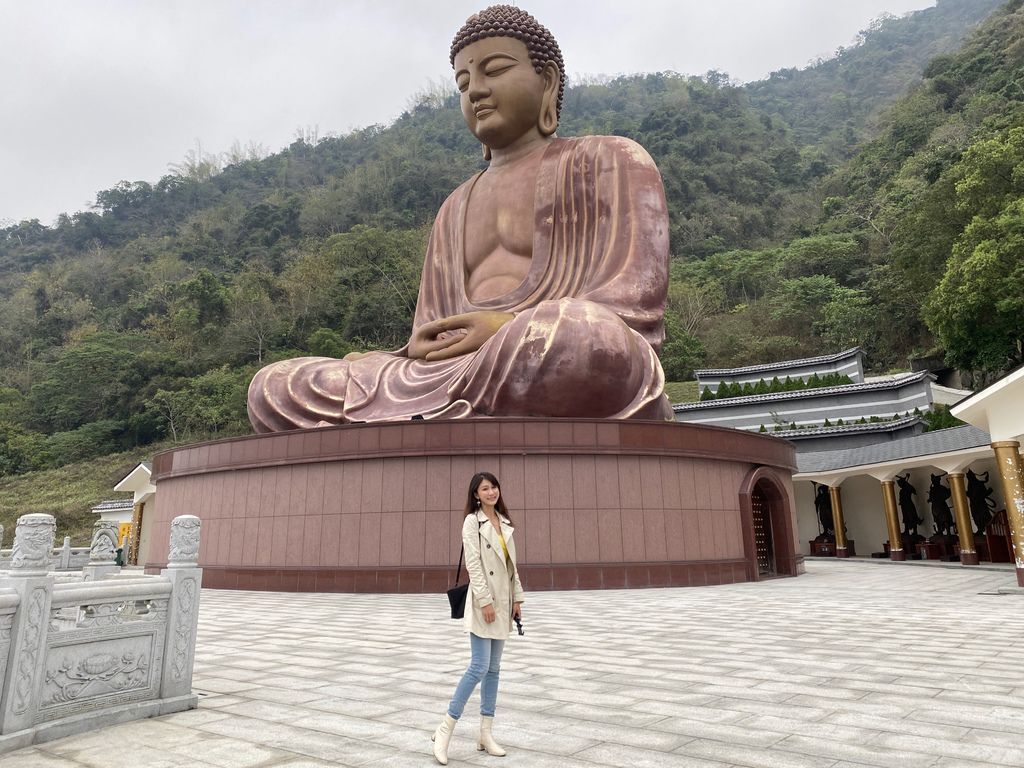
(508, 68)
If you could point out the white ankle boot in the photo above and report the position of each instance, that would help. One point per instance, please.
(441, 737)
(486, 741)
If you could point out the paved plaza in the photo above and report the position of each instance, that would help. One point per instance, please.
(852, 664)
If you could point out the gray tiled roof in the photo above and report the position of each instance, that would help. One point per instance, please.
(848, 429)
(103, 506)
(927, 444)
(782, 364)
(799, 394)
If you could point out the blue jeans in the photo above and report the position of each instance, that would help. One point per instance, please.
(483, 668)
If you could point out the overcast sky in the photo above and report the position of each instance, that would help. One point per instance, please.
(96, 91)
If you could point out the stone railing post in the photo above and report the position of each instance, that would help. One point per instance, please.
(64, 559)
(185, 576)
(103, 551)
(29, 578)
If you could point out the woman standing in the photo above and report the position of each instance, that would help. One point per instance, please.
(494, 600)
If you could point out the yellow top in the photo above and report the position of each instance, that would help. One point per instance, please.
(504, 547)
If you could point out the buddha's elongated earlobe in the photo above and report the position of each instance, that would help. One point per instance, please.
(487, 152)
(547, 122)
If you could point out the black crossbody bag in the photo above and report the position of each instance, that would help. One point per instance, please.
(457, 594)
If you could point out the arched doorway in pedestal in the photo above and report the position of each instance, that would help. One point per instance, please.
(764, 543)
(769, 528)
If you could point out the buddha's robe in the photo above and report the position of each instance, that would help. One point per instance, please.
(588, 314)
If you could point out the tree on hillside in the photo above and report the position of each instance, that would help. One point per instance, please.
(977, 310)
(210, 404)
(380, 271)
(93, 379)
(311, 296)
(682, 351)
(254, 319)
(188, 316)
(840, 256)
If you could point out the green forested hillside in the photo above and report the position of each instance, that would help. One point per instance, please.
(144, 318)
(68, 492)
(937, 195)
(833, 105)
(914, 245)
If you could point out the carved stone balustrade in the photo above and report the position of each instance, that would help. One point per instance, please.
(102, 551)
(103, 649)
(65, 558)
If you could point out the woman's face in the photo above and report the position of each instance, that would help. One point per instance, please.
(488, 493)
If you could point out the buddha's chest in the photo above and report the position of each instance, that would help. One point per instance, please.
(500, 217)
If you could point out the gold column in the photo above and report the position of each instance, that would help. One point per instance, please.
(134, 536)
(837, 520)
(1010, 472)
(892, 521)
(964, 529)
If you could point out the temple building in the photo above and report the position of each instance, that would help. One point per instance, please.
(817, 394)
(118, 511)
(881, 399)
(137, 482)
(870, 480)
(849, 363)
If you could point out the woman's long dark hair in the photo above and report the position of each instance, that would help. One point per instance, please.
(472, 504)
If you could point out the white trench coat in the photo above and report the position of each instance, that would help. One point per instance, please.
(490, 581)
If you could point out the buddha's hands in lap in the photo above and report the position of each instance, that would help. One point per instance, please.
(462, 334)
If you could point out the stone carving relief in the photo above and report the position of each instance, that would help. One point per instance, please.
(97, 670)
(33, 543)
(26, 664)
(104, 542)
(5, 642)
(185, 599)
(112, 614)
(184, 541)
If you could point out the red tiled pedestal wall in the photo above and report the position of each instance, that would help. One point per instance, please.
(378, 507)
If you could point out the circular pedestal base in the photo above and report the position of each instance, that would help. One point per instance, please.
(379, 507)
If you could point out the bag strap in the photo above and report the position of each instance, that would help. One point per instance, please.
(462, 552)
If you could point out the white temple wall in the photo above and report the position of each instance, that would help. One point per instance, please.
(864, 511)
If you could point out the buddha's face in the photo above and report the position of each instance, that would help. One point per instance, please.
(502, 94)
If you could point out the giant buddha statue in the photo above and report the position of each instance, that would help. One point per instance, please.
(545, 276)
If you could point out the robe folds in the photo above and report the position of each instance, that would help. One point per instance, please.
(588, 324)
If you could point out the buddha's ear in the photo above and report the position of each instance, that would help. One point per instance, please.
(487, 152)
(548, 120)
